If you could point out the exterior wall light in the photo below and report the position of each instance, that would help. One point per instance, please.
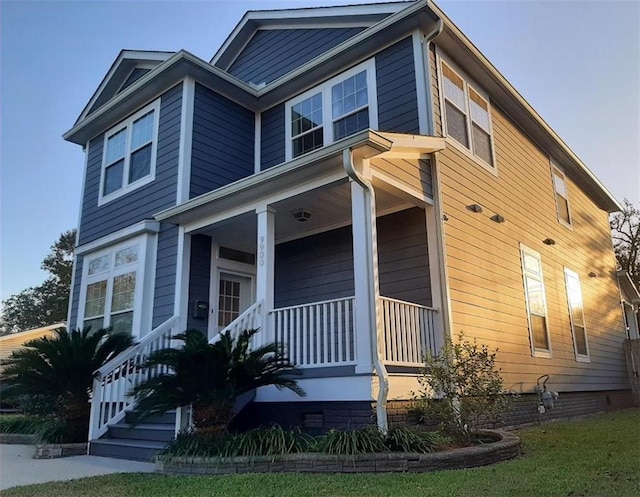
(475, 208)
(301, 215)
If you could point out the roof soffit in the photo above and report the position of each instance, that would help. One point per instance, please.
(458, 47)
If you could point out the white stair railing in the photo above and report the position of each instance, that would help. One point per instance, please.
(114, 381)
(251, 319)
(409, 332)
(318, 334)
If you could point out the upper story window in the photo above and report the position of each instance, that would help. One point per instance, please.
(562, 195)
(129, 156)
(467, 115)
(576, 314)
(338, 108)
(536, 302)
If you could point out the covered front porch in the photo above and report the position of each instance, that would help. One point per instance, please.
(337, 262)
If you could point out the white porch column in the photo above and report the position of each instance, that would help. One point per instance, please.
(365, 274)
(265, 263)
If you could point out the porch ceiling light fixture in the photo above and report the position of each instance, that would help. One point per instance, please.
(301, 215)
(475, 208)
(592, 275)
(497, 218)
(549, 241)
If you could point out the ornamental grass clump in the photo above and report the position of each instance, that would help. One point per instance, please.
(461, 389)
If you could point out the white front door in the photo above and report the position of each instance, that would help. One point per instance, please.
(234, 296)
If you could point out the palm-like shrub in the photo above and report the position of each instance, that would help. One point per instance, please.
(59, 369)
(211, 377)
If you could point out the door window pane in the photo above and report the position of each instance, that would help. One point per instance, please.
(228, 302)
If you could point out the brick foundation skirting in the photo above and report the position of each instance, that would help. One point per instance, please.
(506, 447)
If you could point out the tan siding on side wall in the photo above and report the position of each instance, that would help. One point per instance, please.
(484, 269)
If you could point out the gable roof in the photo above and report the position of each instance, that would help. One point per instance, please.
(346, 16)
(128, 66)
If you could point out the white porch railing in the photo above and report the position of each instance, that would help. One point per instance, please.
(114, 381)
(319, 334)
(251, 319)
(409, 332)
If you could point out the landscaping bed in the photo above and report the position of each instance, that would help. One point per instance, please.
(506, 446)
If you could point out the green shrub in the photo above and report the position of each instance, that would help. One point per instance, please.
(352, 442)
(19, 423)
(259, 442)
(462, 389)
(407, 440)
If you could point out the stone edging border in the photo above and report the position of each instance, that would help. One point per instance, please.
(506, 446)
(55, 451)
(18, 439)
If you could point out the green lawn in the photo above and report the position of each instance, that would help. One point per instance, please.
(598, 456)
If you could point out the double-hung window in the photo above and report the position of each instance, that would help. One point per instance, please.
(562, 195)
(112, 287)
(576, 314)
(337, 109)
(129, 156)
(536, 302)
(467, 116)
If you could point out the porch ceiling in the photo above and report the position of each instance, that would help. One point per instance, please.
(329, 206)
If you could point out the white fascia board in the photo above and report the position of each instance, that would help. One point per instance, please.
(254, 19)
(159, 71)
(628, 286)
(146, 226)
(520, 100)
(371, 142)
(122, 56)
(405, 144)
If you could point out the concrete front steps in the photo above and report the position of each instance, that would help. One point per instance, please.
(138, 443)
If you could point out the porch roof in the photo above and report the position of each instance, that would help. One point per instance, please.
(629, 290)
(321, 163)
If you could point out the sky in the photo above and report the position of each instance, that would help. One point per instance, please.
(576, 62)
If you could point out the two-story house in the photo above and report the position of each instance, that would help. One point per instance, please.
(358, 182)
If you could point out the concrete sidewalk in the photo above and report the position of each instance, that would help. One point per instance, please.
(17, 467)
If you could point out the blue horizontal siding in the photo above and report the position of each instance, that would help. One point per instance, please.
(397, 91)
(166, 270)
(142, 203)
(223, 142)
(271, 54)
(272, 143)
(199, 279)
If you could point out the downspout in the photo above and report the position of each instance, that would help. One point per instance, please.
(445, 297)
(375, 317)
(428, 38)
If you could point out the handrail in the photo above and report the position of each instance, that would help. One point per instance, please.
(330, 301)
(130, 352)
(252, 316)
(113, 382)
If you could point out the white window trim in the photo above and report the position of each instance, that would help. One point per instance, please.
(568, 273)
(555, 168)
(535, 352)
(327, 119)
(128, 124)
(468, 82)
(143, 296)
